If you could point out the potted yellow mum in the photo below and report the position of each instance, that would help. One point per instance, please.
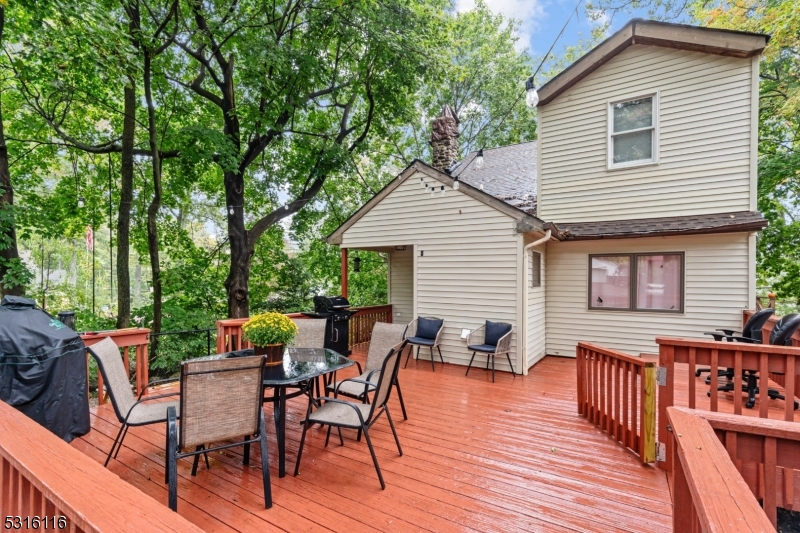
(269, 333)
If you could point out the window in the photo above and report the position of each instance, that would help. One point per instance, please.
(636, 282)
(632, 132)
(535, 270)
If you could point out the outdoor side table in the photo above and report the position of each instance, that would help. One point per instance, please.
(300, 366)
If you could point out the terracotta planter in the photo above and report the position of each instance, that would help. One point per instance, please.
(274, 353)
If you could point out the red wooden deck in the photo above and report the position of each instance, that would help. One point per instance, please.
(508, 456)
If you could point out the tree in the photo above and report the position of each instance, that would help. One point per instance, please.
(297, 86)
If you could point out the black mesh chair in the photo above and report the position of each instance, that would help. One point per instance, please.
(751, 333)
(781, 336)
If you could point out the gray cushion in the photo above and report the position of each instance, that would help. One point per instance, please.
(428, 328)
(420, 341)
(495, 331)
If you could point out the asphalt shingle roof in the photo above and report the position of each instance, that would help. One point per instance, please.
(508, 174)
(649, 227)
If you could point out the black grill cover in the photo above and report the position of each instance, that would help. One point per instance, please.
(43, 368)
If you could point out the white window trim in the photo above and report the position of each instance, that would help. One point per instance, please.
(610, 165)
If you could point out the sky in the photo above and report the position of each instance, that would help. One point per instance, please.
(542, 20)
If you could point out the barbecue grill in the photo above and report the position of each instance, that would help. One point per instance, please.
(336, 310)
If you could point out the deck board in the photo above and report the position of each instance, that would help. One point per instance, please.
(478, 456)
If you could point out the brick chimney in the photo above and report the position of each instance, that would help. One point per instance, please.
(444, 139)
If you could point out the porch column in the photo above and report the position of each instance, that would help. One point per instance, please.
(344, 272)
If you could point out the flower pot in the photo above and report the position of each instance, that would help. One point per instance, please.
(274, 353)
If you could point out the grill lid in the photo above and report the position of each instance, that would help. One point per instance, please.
(330, 303)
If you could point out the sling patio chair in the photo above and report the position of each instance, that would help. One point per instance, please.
(384, 337)
(493, 338)
(130, 411)
(220, 402)
(750, 334)
(310, 334)
(425, 332)
(343, 414)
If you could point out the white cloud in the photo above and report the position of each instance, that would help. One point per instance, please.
(527, 12)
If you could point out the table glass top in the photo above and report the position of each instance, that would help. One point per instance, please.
(299, 364)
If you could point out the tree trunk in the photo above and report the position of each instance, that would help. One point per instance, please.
(155, 204)
(238, 282)
(9, 253)
(125, 202)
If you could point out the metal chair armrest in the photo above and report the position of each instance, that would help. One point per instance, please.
(747, 340)
(358, 365)
(717, 336)
(336, 400)
(728, 331)
(157, 382)
(354, 380)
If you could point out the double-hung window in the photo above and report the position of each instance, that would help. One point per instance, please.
(637, 282)
(633, 132)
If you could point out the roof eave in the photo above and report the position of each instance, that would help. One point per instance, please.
(523, 219)
(648, 32)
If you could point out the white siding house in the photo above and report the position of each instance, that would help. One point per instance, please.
(632, 216)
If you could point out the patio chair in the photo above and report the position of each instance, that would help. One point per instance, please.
(751, 333)
(781, 336)
(493, 338)
(130, 410)
(425, 332)
(384, 337)
(220, 401)
(343, 414)
(310, 334)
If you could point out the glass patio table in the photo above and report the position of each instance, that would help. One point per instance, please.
(301, 367)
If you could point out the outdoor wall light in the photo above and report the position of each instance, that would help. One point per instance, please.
(442, 190)
(400, 248)
(479, 159)
(455, 183)
(357, 264)
(81, 202)
(531, 96)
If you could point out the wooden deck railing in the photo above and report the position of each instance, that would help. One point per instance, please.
(42, 476)
(363, 321)
(616, 392)
(229, 331)
(696, 353)
(725, 465)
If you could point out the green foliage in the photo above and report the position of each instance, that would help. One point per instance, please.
(293, 290)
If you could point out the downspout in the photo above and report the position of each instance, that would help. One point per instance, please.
(527, 247)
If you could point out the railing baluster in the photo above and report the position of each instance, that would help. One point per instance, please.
(692, 380)
(770, 479)
(737, 382)
(763, 396)
(714, 379)
(788, 408)
(626, 432)
(634, 409)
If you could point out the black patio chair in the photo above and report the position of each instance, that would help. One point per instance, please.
(220, 402)
(494, 338)
(425, 332)
(751, 333)
(334, 412)
(781, 336)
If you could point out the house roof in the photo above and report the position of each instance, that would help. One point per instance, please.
(658, 227)
(508, 174)
(650, 32)
(525, 221)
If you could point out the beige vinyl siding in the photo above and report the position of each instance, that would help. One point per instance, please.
(468, 273)
(536, 309)
(401, 284)
(717, 282)
(704, 139)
